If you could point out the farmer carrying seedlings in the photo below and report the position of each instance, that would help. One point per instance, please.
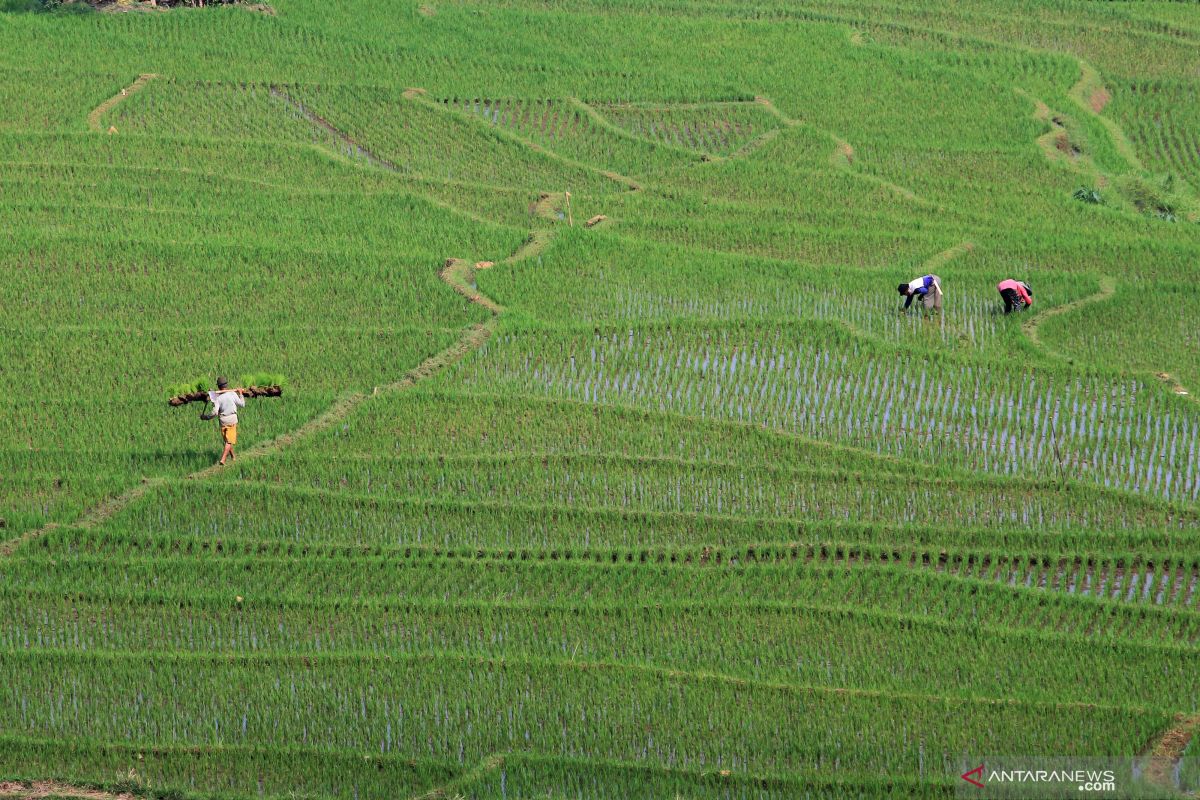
(225, 403)
(928, 288)
(1016, 294)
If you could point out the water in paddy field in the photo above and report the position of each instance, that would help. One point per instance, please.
(1113, 433)
(974, 320)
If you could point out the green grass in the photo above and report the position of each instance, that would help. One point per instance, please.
(676, 505)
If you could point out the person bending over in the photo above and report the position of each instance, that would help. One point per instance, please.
(927, 287)
(1016, 294)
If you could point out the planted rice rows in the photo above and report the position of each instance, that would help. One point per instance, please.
(469, 708)
(794, 644)
(1112, 431)
(166, 357)
(211, 110)
(773, 234)
(525, 775)
(104, 272)
(29, 499)
(546, 118)
(223, 771)
(369, 194)
(286, 771)
(605, 279)
(120, 282)
(975, 321)
(249, 162)
(1161, 120)
(79, 169)
(787, 177)
(1146, 46)
(651, 485)
(1141, 577)
(1106, 568)
(571, 130)
(718, 129)
(425, 422)
(431, 589)
(1163, 341)
(214, 222)
(881, 578)
(289, 517)
(401, 130)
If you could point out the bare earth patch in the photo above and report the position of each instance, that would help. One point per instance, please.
(121, 6)
(1166, 752)
(40, 789)
(118, 6)
(1099, 99)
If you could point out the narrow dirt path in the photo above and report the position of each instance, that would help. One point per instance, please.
(1091, 97)
(97, 114)
(842, 156)
(418, 95)
(745, 149)
(753, 144)
(602, 122)
(451, 788)
(1174, 385)
(1056, 144)
(36, 790)
(1164, 753)
(770, 106)
(472, 338)
(456, 273)
(1090, 94)
(337, 133)
(946, 256)
(843, 153)
(460, 274)
(1108, 287)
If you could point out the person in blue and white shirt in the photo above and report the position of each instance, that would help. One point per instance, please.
(927, 287)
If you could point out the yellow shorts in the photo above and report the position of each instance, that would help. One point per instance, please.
(229, 434)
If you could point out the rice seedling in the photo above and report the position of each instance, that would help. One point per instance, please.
(676, 503)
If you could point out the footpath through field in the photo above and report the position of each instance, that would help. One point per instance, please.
(97, 113)
(1166, 751)
(1107, 290)
(457, 273)
(37, 790)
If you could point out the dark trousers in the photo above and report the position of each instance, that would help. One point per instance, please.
(1012, 301)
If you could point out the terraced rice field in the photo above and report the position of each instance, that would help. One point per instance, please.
(606, 465)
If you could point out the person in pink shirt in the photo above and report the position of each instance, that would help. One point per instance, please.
(1017, 295)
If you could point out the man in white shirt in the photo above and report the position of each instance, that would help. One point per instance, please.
(225, 403)
(927, 287)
